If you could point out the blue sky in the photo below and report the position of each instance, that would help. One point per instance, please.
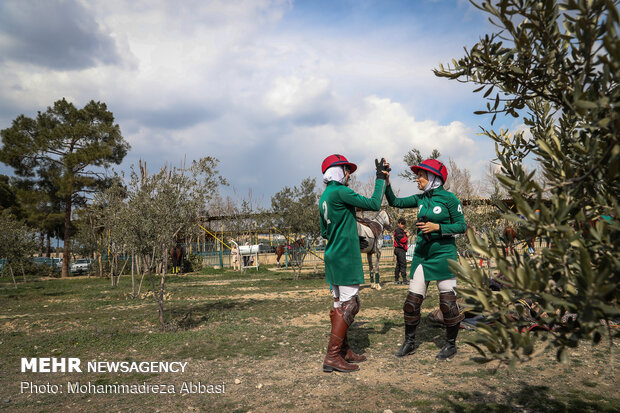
(269, 87)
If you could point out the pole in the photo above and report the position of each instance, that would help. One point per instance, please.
(222, 250)
(214, 236)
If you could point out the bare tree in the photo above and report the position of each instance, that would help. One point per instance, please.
(459, 182)
(17, 242)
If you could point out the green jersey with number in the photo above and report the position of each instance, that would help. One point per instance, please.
(343, 260)
(443, 208)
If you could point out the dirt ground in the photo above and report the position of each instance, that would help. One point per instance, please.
(291, 378)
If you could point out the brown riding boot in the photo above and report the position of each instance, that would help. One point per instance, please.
(348, 355)
(333, 360)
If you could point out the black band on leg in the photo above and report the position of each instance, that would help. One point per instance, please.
(450, 309)
(411, 308)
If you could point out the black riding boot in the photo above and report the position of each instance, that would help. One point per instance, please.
(408, 346)
(452, 318)
(449, 348)
(411, 311)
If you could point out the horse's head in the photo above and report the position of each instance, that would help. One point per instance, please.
(384, 219)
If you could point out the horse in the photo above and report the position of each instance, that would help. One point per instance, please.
(370, 232)
(510, 235)
(280, 249)
(176, 253)
(292, 249)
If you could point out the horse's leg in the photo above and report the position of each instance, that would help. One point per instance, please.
(372, 278)
(378, 256)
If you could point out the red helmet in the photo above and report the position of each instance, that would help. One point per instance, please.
(433, 166)
(334, 160)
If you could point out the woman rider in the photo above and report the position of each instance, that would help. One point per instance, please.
(440, 217)
(343, 261)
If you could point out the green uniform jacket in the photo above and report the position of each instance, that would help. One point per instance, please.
(343, 260)
(443, 208)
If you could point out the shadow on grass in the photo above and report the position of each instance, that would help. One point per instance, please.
(359, 334)
(529, 398)
(303, 276)
(188, 316)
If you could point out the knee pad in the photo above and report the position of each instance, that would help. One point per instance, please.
(450, 309)
(411, 309)
(350, 309)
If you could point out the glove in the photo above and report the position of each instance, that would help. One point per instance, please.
(363, 243)
(381, 166)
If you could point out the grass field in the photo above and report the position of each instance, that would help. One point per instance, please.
(261, 337)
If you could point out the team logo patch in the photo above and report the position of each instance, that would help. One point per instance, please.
(437, 210)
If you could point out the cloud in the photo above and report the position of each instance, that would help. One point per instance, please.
(375, 127)
(61, 35)
(251, 82)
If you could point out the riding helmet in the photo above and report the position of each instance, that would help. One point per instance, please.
(433, 166)
(337, 160)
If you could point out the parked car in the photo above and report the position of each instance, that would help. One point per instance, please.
(80, 266)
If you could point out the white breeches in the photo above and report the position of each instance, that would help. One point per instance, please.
(418, 285)
(344, 293)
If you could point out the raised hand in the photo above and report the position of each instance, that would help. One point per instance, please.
(383, 168)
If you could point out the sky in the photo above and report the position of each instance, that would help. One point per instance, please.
(269, 87)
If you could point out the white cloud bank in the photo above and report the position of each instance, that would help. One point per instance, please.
(223, 78)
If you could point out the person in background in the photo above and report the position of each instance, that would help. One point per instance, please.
(401, 238)
(234, 253)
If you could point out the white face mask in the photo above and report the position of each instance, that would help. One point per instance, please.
(334, 173)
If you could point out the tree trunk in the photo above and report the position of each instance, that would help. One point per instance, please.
(12, 275)
(48, 248)
(140, 285)
(118, 278)
(133, 280)
(112, 268)
(162, 286)
(41, 237)
(67, 245)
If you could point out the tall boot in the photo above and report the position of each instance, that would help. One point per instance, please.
(348, 355)
(449, 348)
(408, 346)
(452, 318)
(333, 360)
(411, 311)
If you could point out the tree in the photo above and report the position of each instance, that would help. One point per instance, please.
(39, 205)
(414, 157)
(79, 143)
(8, 198)
(459, 182)
(295, 210)
(556, 65)
(16, 242)
(492, 184)
(147, 217)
